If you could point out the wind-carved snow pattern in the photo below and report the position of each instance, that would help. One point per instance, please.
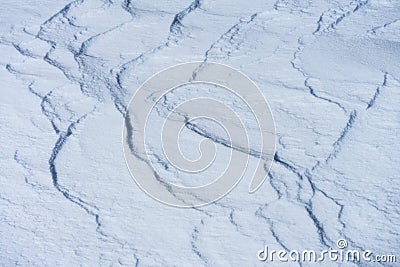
(328, 69)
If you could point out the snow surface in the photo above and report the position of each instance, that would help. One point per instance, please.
(329, 69)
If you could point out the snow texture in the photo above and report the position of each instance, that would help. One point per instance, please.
(329, 69)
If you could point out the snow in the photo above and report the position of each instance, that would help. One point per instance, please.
(329, 70)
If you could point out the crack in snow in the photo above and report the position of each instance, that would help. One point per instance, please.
(374, 30)
(378, 91)
(330, 19)
(195, 248)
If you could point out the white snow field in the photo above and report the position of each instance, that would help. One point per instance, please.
(330, 71)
